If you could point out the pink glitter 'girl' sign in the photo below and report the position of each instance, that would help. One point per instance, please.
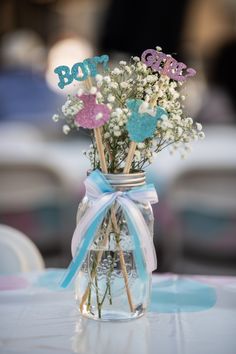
(166, 65)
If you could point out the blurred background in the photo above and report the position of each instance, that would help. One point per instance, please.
(42, 172)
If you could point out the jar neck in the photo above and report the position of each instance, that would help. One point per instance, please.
(122, 181)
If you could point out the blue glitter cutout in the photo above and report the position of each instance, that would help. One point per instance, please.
(64, 75)
(142, 125)
(92, 64)
(75, 71)
(88, 68)
(103, 59)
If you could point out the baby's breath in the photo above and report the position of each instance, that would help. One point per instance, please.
(135, 80)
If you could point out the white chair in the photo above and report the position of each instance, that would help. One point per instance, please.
(19, 132)
(17, 252)
(203, 201)
(33, 199)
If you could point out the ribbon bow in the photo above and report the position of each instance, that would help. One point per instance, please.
(102, 195)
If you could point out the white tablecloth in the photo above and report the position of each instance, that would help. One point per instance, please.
(188, 315)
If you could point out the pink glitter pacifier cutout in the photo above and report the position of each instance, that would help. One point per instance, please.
(92, 115)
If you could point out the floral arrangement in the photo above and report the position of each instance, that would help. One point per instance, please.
(113, 88)
(133, 112)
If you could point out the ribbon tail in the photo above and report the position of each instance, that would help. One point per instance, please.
(84, 235)
(145, 255)
(81, 253)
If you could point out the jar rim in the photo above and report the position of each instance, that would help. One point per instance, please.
(126, 175)
(125, 180)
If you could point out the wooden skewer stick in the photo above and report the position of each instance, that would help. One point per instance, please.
(98, 136)
(127, 167)
(100, 147)
(89, 82)
(130, 157)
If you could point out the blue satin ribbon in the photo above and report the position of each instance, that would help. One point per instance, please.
(102, 195)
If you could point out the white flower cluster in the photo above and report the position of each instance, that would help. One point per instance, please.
(71, 107)
(135, 80)
(68, 111)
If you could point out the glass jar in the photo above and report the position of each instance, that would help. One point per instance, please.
(108, 286)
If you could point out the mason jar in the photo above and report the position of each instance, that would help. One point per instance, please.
(108, 285)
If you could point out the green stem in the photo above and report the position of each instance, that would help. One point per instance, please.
(97, 297)
(104, 296)
(108, 287)
(89, 298)
(109, 293)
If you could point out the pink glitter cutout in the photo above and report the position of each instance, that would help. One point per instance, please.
(166, 65)
(92, 115)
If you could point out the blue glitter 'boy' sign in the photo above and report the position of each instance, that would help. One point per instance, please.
(80, 71)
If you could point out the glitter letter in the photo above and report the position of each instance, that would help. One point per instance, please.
(64, 75)
(75, 71)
